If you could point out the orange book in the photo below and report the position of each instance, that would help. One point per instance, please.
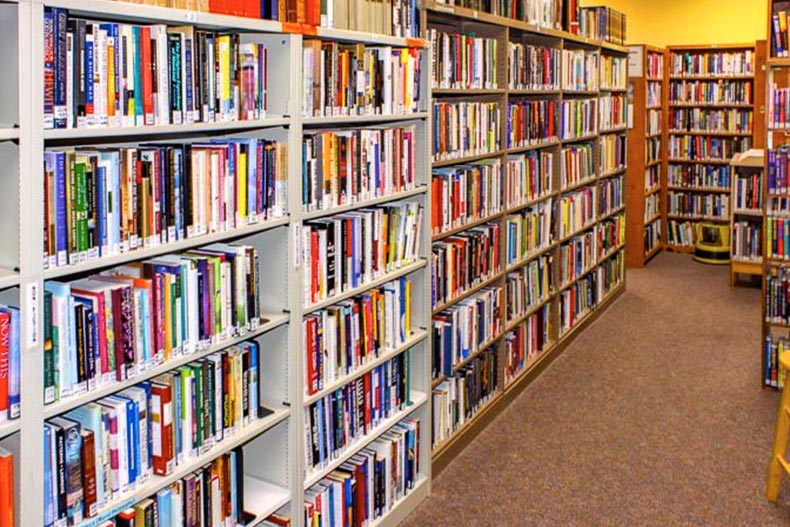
(6, 488)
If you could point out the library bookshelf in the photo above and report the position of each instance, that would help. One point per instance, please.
(646, 173)
(746, 216)
(606, 174)
(775, 330)
(276, 477)
(707, 123)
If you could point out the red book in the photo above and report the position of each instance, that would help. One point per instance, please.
(368, 401)
(148, 77)
(104, 363)
(6, 488)
(218, 6)
(312, 373)
(252, 8)
(5, 336)
(89, 473)
(162, 428)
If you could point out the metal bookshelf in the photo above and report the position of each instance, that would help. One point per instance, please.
(275, 472)
(505, 30)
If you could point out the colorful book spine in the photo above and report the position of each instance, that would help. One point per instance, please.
(712, 64)
(533, 67)
(462, 129)
(578, 118)
(702, 149)
(696, 206)
(613, 153)
(528, 287)
(580, 70)
(531, 123)
(724, 92)
(529, 232)
(465, 194)
(529, 178)
(463, 61)
(576, 165)
(526, 342)
(612, 112)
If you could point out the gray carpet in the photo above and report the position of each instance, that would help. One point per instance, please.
(654, 416)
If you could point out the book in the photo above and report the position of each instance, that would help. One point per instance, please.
(712, 63)
(531, 122)
(7, 486)
(462, 129)
(603, 23)
(580, 70)
(526, 342)
(529, 286)
(578, 118)
(529, 232)
(529, 178)
(533, 67)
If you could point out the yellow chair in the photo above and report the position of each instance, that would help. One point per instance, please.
(778, 461)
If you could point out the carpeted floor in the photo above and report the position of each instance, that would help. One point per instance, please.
(653, 417)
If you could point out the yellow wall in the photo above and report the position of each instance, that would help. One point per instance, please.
(689, 22)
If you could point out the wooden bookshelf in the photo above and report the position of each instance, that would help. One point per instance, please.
(645, 176)
(747, 165)
(679, 167)
(505, 30)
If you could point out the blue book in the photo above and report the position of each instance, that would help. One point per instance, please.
(49, 478)
(323, 454)
(254, 351)
(72, 466)
(132, 430)
(60, 111)
(164, 504)
(89, 67)
(177, 450)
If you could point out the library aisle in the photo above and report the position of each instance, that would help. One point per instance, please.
(619, 431)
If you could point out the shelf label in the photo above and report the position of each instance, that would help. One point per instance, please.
(31, 308)
(297, 234)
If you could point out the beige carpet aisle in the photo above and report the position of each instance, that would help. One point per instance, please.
(653, 417)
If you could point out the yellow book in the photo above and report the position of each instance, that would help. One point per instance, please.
(241, 189)
(111, 81)
(223, 54)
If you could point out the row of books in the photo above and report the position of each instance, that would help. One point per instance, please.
(528, 177)
(699, 176)
(697, 148)
(533, 67)
(748, 192)
(334, 422)
(652, 236)
(681, 233)
(458, 398)
(104, 202)
(652, 177)
(531, 122)
(653, 94)
(603, 23)
(462, 129)
(463, 261)
(712, 64)
(613, 153)
(653, 147)
(654, 66)
(343, 338)
(347, 251)
(399, 18)
(580, 70)
(459, 331)
(367, 486)
(104, 74)
(211, 494)
(578, 118)
(774, 374)
(777, 296)
(578, 256)
(466, 193)
(778, 180)
(113, 326)
(710, 92)
(614, 72)
(653, 121)
(747, 241)
(578, 300)
(529, 286)
(777, 236)
(463, 61)
(104, 449)
(576, 164)
(612, 112)
(526, 342)
(10, 364)
(529, 231)
(780, 32)
(652, 205)
(543, 13)
(611, 195)
(779, 108)
(577, 211)
(353, 79)
(715, 121)
(693, 204)
(341, 167)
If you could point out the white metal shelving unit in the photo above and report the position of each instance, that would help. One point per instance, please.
(275, 472)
